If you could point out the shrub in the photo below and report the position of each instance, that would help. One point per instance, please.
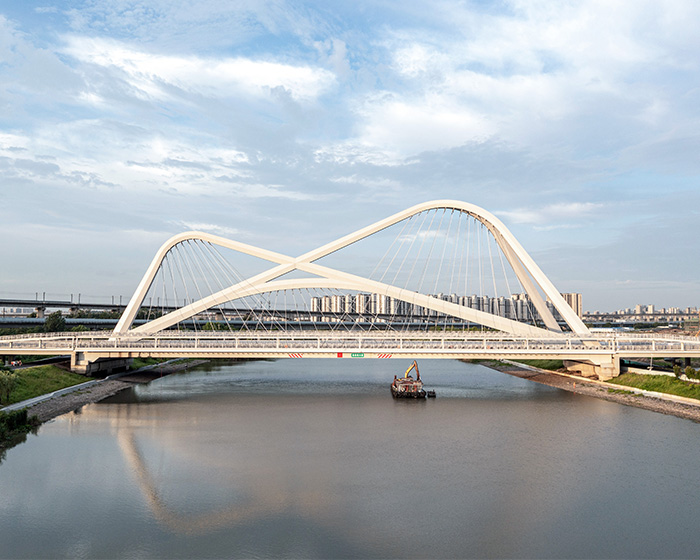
(14, 427)
(677, 370)
(8, 380)
(689, 372)
(13, 420)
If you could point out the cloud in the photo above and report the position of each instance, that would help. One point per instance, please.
(294, 121)
(410, 127)
(223, 231)
(558, 212)
(536, 74)
(152, 73)
(46, 10)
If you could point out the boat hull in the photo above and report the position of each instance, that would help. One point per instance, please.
(420, 394)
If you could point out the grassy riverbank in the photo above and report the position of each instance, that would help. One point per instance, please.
(659, 383)
(550, 365)
(35, 381)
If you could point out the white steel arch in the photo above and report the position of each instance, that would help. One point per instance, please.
(527, 271)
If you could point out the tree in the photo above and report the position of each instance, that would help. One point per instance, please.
(8, 381)
(55, 322)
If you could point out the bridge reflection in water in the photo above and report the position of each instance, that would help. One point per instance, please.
(281, 459)
(209, 461)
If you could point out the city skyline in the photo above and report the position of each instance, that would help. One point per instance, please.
(289, 124)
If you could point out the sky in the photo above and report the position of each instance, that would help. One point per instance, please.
(287, 124)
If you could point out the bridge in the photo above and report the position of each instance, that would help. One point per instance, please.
(442, 279)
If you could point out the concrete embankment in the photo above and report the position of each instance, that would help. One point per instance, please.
(658, 402)
(66, 400)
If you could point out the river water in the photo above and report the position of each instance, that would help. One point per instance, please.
(314, 459)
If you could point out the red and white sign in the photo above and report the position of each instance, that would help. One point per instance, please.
(383, 355)
(295, 355)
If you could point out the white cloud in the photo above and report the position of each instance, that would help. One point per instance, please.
(135, 160)
(151, 73)
(410, 127)
(531, 76)
(273, 111)
(552, 213)
(223, 231)
(415, 60)
(11, 143)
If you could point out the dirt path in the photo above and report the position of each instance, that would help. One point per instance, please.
(601, 390)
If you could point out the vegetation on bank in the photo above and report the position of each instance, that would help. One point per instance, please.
(14, 427)
(659, 383)
(32, 382)
(688, 371)
(622, 392)
(138, 363)
(550, 365)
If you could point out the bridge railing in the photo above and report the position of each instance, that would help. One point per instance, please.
(84, 341)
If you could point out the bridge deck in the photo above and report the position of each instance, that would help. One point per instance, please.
(368, 344)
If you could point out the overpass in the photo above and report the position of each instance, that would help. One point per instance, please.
(89, 349)
(453, 283)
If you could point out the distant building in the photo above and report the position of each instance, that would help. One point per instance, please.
(644, 314)
(574, 300)
(374, 306)
(15, 311)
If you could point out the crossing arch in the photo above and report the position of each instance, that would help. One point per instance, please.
(532, 279)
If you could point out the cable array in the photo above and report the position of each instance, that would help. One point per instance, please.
(445, 253)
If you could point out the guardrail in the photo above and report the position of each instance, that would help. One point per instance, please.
(641, 345)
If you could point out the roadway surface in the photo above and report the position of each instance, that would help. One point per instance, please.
(377, 344)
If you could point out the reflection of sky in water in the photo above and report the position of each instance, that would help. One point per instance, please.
(225, 463)
(450, 379)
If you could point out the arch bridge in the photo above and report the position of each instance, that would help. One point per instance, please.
(442, 279)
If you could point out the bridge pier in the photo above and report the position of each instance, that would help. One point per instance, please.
(95, 366)
(605, 367)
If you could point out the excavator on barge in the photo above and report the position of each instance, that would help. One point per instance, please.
(408, 388)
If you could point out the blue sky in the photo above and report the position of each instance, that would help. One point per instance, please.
(288, 124)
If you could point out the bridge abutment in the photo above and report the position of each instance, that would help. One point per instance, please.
(604, 368)
(96, 366)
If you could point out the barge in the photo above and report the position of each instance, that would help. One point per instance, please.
(408, 388)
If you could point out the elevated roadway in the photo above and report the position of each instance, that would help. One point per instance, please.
(604, 350)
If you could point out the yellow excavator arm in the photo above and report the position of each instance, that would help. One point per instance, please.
(412, 366)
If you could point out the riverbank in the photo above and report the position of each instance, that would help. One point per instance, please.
(102, 389)
(665, 404)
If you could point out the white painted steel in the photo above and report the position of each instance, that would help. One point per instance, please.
(445, 344)
(524, 267)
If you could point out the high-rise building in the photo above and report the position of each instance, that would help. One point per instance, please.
(363, 304)
(574, 300)
(349, 303)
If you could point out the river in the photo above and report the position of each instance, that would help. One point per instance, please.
(314, 459)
